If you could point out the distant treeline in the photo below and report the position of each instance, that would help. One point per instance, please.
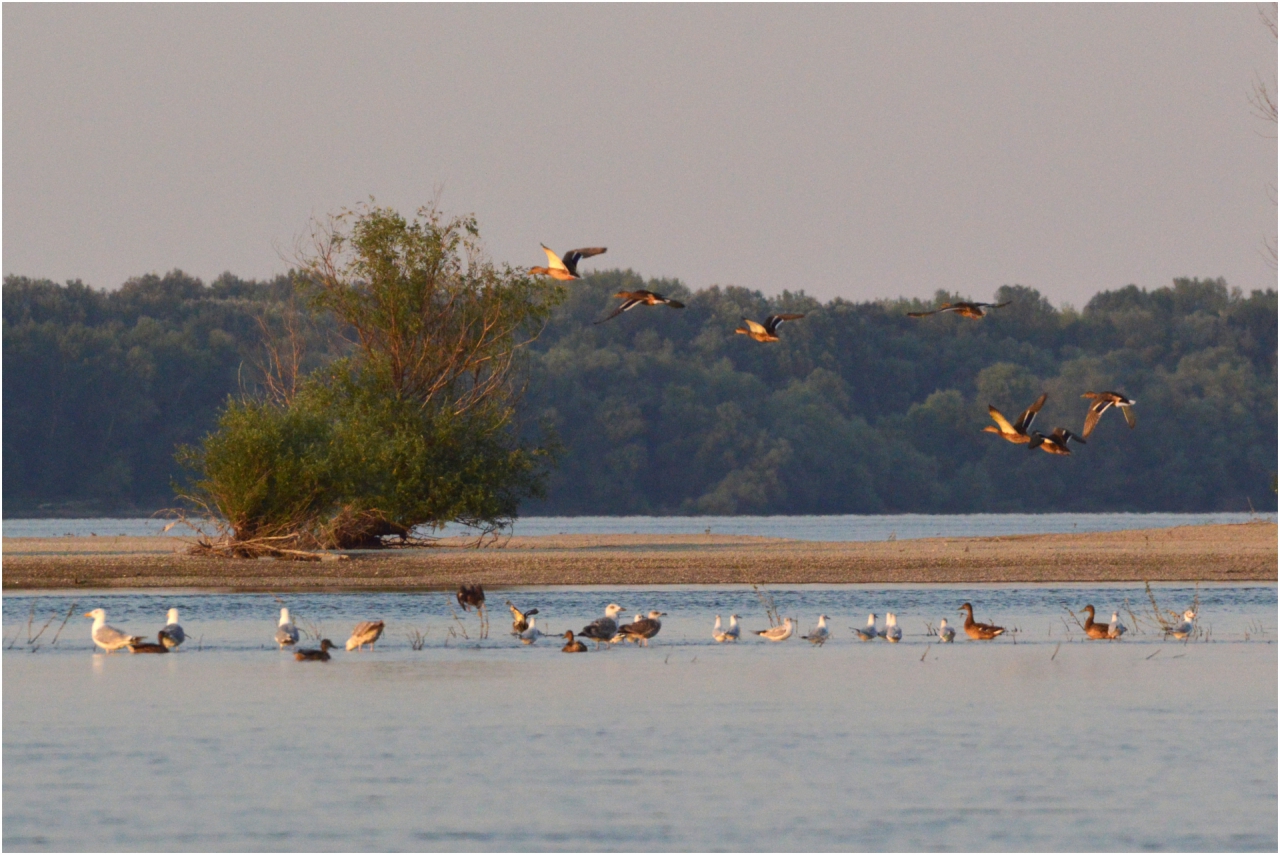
(858, 409)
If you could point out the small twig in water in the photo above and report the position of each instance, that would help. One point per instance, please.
(418, 639)
(1153, 655)
(70, 611)
(926, 651)
(1055, 651)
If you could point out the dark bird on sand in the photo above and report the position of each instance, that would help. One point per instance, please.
(768, 331)
(631, 299)
(470, 595)
(1103, 401)
(312, 655)
(565, 268)
(1016, 432)
(964, 310)
(1054, 443)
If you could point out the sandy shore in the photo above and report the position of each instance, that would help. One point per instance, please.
(1222, 553)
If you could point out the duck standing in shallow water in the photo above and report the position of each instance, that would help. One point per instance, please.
(147, 647)
(286, 632)
(172, 635)
(108, 637)
(868, 633)
(321, 655)
(946, 634)
(978, 631)
(366, 632)
(572, 645)
(1091, 629)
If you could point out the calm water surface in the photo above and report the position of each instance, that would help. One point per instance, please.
(1039, 741)
(827, 528)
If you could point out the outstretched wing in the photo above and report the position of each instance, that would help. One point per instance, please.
(1000, 420)
(1129, 417)
(923, 314)
(754, 327)
(553, 260)
(1029, 414)
(573, 256)
(1096, 410)
(772, 322)
(675, 304)
(994, 305)
(626, 306)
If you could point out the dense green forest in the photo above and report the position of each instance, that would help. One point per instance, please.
(858, 409)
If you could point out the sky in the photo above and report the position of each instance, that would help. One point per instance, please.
(860, 151)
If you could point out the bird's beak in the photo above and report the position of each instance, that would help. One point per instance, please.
(88, 614)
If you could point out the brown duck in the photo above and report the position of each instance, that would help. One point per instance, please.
(1091, 629)
(470, 595)
(148, 647)
(978, 631)
(768, 331)
(1102, 401)
(631, 299)
(572, 645)
(312, 655)
(565, 269)
(1054, 443)
(964, 310)
(1016, 432)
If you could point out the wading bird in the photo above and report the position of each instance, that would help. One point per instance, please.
(777, 633)
(470, 595)
(631, 299)
(642, 628)
(603, 628)
(963, 309)
(108, 637)
(867, 633)
(767, 331)
(147, 647)
(1102, 401)
(286, 632)
(978, 631)
(819, 634)
(1054, 443)
(519, 619)
(1091, 629)
(1016, 432)
(366, 632)
(311, 655)
(572, 645)
(172, 635)
(566, 268)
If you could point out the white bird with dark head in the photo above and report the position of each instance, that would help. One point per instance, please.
(108, 637)
(172, 635)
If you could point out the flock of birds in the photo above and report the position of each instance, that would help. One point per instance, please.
(605, 630)
(565, 269)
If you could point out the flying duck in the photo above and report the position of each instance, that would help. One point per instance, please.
(643, 628)
(769, 330)
(1016, 432)
(1187, 626)
(819, 634)
(603, 628)
(366, 632)
(1102, 401)
(470, 595)
(1116, 629)
(869, 632)
(631, 299)
(777, 633)
(311, 655)
(946, 634)
(519, 619)
(978, 631)
(172, 635)
(531, 633)
(286, 632)
(572, 645)
(108, 637)
(963, 309)
(1054, 443)
(148, 647)
(892, 632)
(566, 268)
(1091, 629)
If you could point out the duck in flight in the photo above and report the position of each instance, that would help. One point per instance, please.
(978, 631)
(631, 299)
(1016, 432)
(1102, 401)
(963, 309)
(768, 331)
(1054, 443)
(565, 269)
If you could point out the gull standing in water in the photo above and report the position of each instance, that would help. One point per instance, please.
(1185, 628)
(642, 629)
(819, 634)
(946, 634)
(1116, 628)
(531, 632)
(172, 635)
(366, 632)
(108, 637)
(732, 633)
(286, 632)
(717, 632)
(892, 632)
(777, 633)
(869, 632)
(603, 628)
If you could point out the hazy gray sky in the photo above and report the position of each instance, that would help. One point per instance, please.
(860, 151)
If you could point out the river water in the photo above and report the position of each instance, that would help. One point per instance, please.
(1040, 740)
(823, 528)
